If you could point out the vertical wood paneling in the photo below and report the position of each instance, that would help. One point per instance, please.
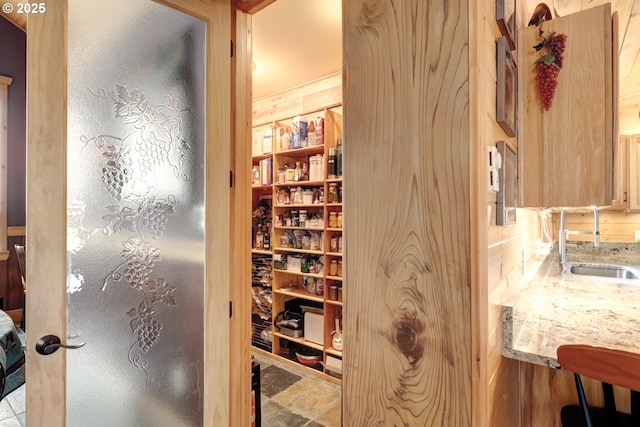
(478, 239)
(408, 353)
(46, 220)
(545, 391)
(503, 392)
(633, 183)
(218, 261)
(508, 258)
(5, 82)
(239, 346)
(507, 248)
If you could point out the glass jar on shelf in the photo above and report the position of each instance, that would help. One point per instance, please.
(282, 196)
(339, 220)
(297, 172)
(259, 239)
(333, 267)
(333, 293)
(332, 194)
(333, 220)
(299, 197)
(333, 244)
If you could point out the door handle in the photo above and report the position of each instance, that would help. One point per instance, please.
(50, 343)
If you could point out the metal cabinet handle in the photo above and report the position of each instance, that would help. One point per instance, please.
(50, 343)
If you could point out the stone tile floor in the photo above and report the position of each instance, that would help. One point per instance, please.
(12, 412)
(291, 397)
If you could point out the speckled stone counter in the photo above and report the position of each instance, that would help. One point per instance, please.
(556, 308)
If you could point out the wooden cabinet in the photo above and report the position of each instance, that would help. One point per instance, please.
(299, 183)
(633, 174)
(566, 153)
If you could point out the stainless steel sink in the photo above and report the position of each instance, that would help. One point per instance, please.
(604, 270)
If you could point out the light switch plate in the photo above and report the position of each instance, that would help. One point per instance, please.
(494, 163)
(637, 235)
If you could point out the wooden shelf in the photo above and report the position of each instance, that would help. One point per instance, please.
(334, 352)
(300, 184)
(300, 340)
(299, 251)
(298, 273)
(281, 279)
(261, 252)
(259, 187)
(333, 229)
(281, 227)
(299, 293)
(313, 149)
(317, 205)
(261, 157)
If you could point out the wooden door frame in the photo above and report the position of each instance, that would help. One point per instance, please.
(240, 270)
(46, 213)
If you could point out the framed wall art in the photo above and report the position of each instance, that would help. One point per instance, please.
(506, 19)
(506, 88)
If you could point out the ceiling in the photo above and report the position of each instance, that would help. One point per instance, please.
(302, 40)
(295, 42)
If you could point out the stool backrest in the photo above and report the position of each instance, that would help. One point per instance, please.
(617, 367)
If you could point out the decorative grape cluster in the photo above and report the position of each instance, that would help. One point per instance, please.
(115, 174)
(154, 217)
(548, 67)
(153, 152)
(148, 333)
(136, 271)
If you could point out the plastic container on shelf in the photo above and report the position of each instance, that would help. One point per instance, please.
(315, 167)
(307, 197)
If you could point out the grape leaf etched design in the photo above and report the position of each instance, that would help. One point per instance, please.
(133, 174)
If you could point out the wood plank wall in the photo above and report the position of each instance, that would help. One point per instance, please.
(629, 120)
(314, 95)
(240, 273)
(408, 354)
(614, 226)
(11, 289)
(510, 249)
(510, 252)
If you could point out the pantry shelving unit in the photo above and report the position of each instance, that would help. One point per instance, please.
(305, 253)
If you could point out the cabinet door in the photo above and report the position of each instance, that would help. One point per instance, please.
(567, 152)
(633, 188)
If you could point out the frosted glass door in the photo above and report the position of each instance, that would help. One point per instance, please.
(135, 214)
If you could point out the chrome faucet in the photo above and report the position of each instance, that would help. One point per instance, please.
(564, 233)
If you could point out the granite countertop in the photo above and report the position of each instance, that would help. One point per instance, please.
(555, 308)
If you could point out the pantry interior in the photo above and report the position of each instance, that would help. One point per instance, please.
(296, 186)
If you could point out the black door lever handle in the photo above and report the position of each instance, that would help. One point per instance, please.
(50, 343)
